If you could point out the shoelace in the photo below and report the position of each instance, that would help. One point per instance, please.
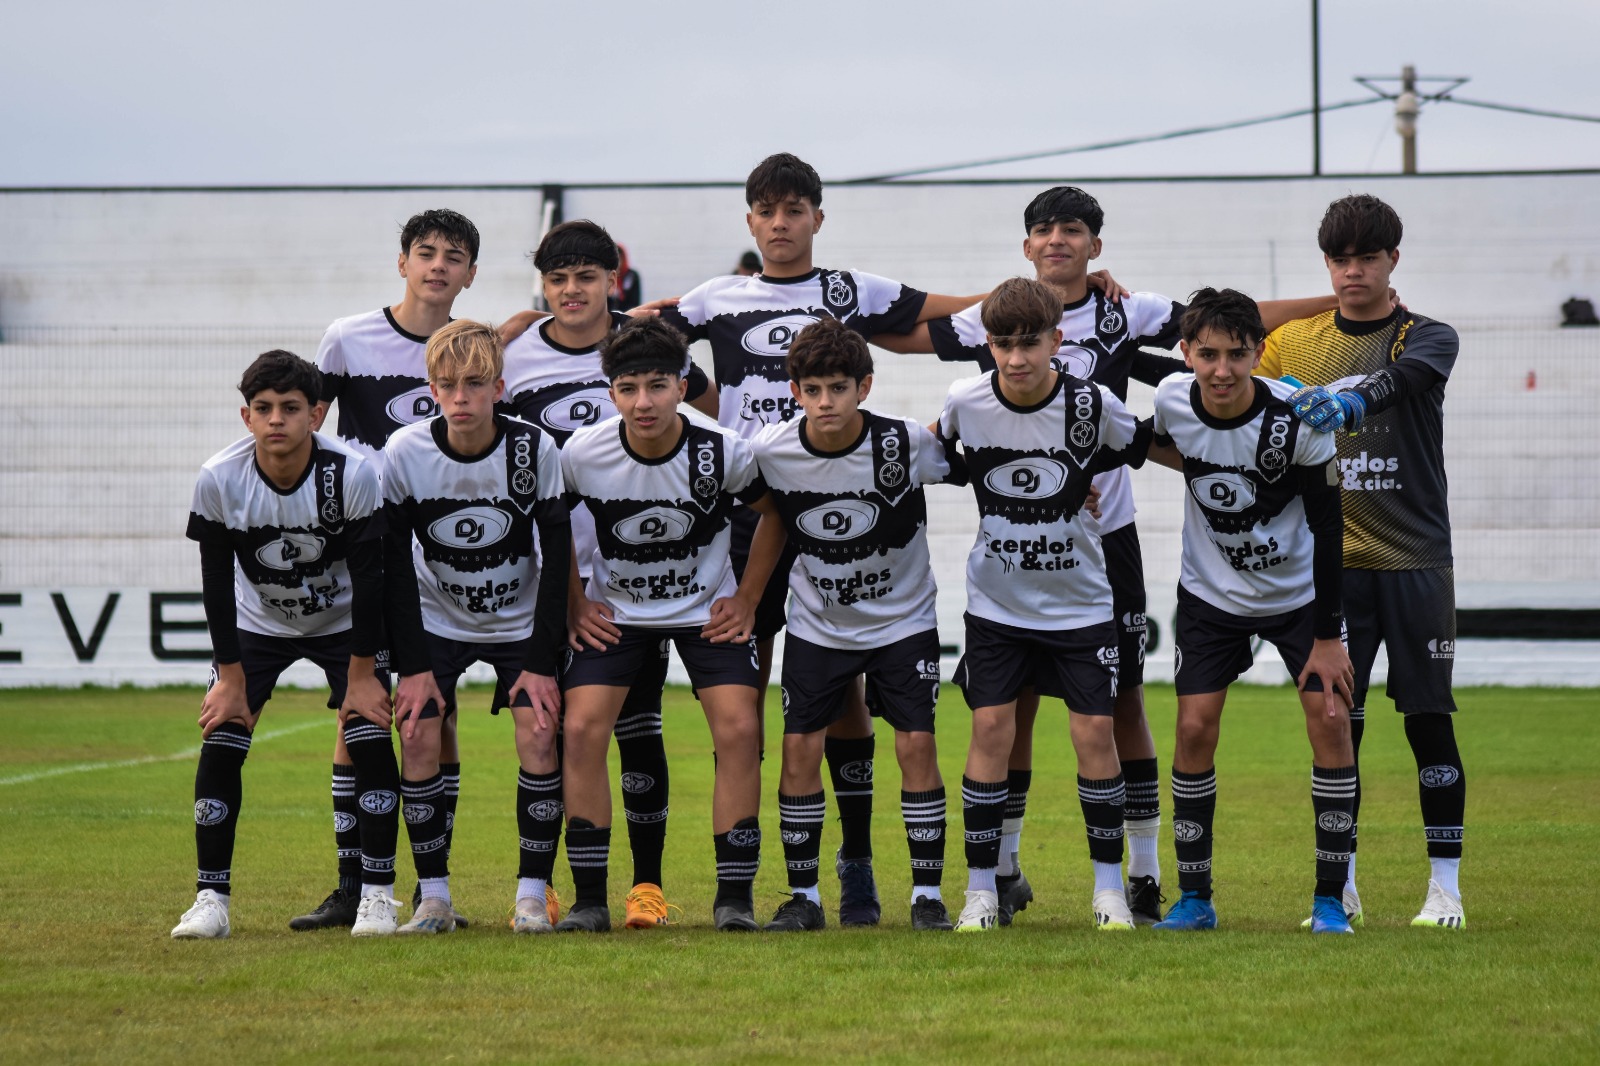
(653, 905)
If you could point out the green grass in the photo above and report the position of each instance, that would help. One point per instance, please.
(98, 866)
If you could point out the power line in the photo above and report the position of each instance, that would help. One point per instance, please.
(1520, 110)
(1123, 143)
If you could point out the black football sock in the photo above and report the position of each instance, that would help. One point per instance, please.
(1141, 817)
(1333, 791)
(539, 814)
(1017, 784)
(1194, 806)
(1441, 782)
(347, 827)
(451, 772)
(1103, 802)
(643, 760)
(924, 815)
(589, 856)
(850, 769)
(1358, 726)
(983, 809)
(738, 854)
(800, 827)
(425, 826)
(377, 790)
(218, 790)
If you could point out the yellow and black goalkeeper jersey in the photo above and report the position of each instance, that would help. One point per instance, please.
(1395, 498)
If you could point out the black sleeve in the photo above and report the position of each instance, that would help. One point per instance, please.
(698, 383)
(753, 491)
(960, 473)
(365, 561)
(1395, 384)
(1324, 515)
(408, 649)
(550, 608)
(216, 594)
(1151, 369)
(1131, 456)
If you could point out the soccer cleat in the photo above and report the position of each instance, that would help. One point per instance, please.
(206, 920)
(1352, 907)
(532, 915)
(1111, 913)
(735, 916)
(929, 913)
(646, 908)
(980, 913)
(1440, 910)
(1015, 895)
(375, 916)
(1145, 900)
(586, 918)
(858, 892)
(1327, 915)
(552, 903)
(338, 910)
(797, 914)
(416, 901)
(1190, 913)
(432, 915)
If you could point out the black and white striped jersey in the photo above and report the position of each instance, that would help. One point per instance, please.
(379, 374)
(859, 519)
(1247, 548)
(289, 545)
(750, 322)
(661, 525)
(1037, 561)
(1098, 340)
(471, 522)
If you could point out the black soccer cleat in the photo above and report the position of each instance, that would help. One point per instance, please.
(338, 911)
(735, 916)
(1145, 900)
(858, 892)
(797, 914)
(1015, 895)
(586, 918)
(929, 913)
(416, 901)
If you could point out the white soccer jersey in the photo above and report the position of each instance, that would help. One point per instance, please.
(379, 374)
(289, 545)
(472, 522)
(1098, 340)
(661, 525)
(1246, 546)
(859, 519)
(750, 322)
(1037, 561)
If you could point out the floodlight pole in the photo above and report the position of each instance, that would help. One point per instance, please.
(1316, 89)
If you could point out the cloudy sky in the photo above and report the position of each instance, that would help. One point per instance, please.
(295, 92)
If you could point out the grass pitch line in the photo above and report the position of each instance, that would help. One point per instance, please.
(143, 760)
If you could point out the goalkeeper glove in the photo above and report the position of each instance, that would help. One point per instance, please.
(1324, 411)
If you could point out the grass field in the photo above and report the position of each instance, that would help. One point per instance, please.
(95, 801)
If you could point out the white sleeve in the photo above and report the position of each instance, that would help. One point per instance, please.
(930, 465)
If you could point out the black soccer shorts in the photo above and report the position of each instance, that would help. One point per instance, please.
(1125, 569)
(451, 658)
(640, 649)
(1412, 613)
(1077, 666)
(265, 658)
(1211, 647)
(902, 682)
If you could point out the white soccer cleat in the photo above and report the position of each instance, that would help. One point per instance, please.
(531, 915)
(1441, 910)
(206, 920)
(432, 916)
(981, 913)
(375, 916)
(1111, 912)
(1352, 906)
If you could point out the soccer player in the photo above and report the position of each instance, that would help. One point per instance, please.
(1038, 600)
(1378, 372)
(1261, 533)
(554, 381)
(291, 568)
(750, 323)
(1103, 328)
(374, 365)
(463, 493)
(848, 485)
(660, 489)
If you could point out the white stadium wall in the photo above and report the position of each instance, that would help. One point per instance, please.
(127, 317)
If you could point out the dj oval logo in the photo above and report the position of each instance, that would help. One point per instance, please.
(583, 408)
(470, 527)
(653, 526)
(1223, 492)
(290, 550)
(773, 337)
(1079, 362)
(1027, 479)
(412, 406)
(839, 520)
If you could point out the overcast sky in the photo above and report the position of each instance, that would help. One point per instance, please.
(295, 92)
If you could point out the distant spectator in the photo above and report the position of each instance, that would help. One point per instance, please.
(627, 294)
(749, 265)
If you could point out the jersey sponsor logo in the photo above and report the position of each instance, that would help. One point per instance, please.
(744, 838)
(1365, 472)
(1441, 649)
(209, 811)
(1438, 776)
(1110, 655)
(1027, 479)
(576, 410)
(1335, 821)
(545, 810)
(928, 669)
(343, 821)
(1227, 492)
(1111, 322)
(654, 526)
(1186, 831)
(379, 801)
(1077, 360)
(1272, 457)
(768, 409)
(858, 772)
(290, 550)
(637, 782)
(839, 520)
(417, 813)
(772, 338)
(471, 527)
(839, 290)
(413, 406)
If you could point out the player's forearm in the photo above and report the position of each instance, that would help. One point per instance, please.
(408, 648)
(216, 596)
(765, 548)
(917, 342)
(550, 608)
(366, 597)
(1275, 313)
(1151, 369)
(938, 306)
(1325, 517)
(1394, 385)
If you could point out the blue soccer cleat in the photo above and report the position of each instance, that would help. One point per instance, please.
(1328, 916)
(1190, 913)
